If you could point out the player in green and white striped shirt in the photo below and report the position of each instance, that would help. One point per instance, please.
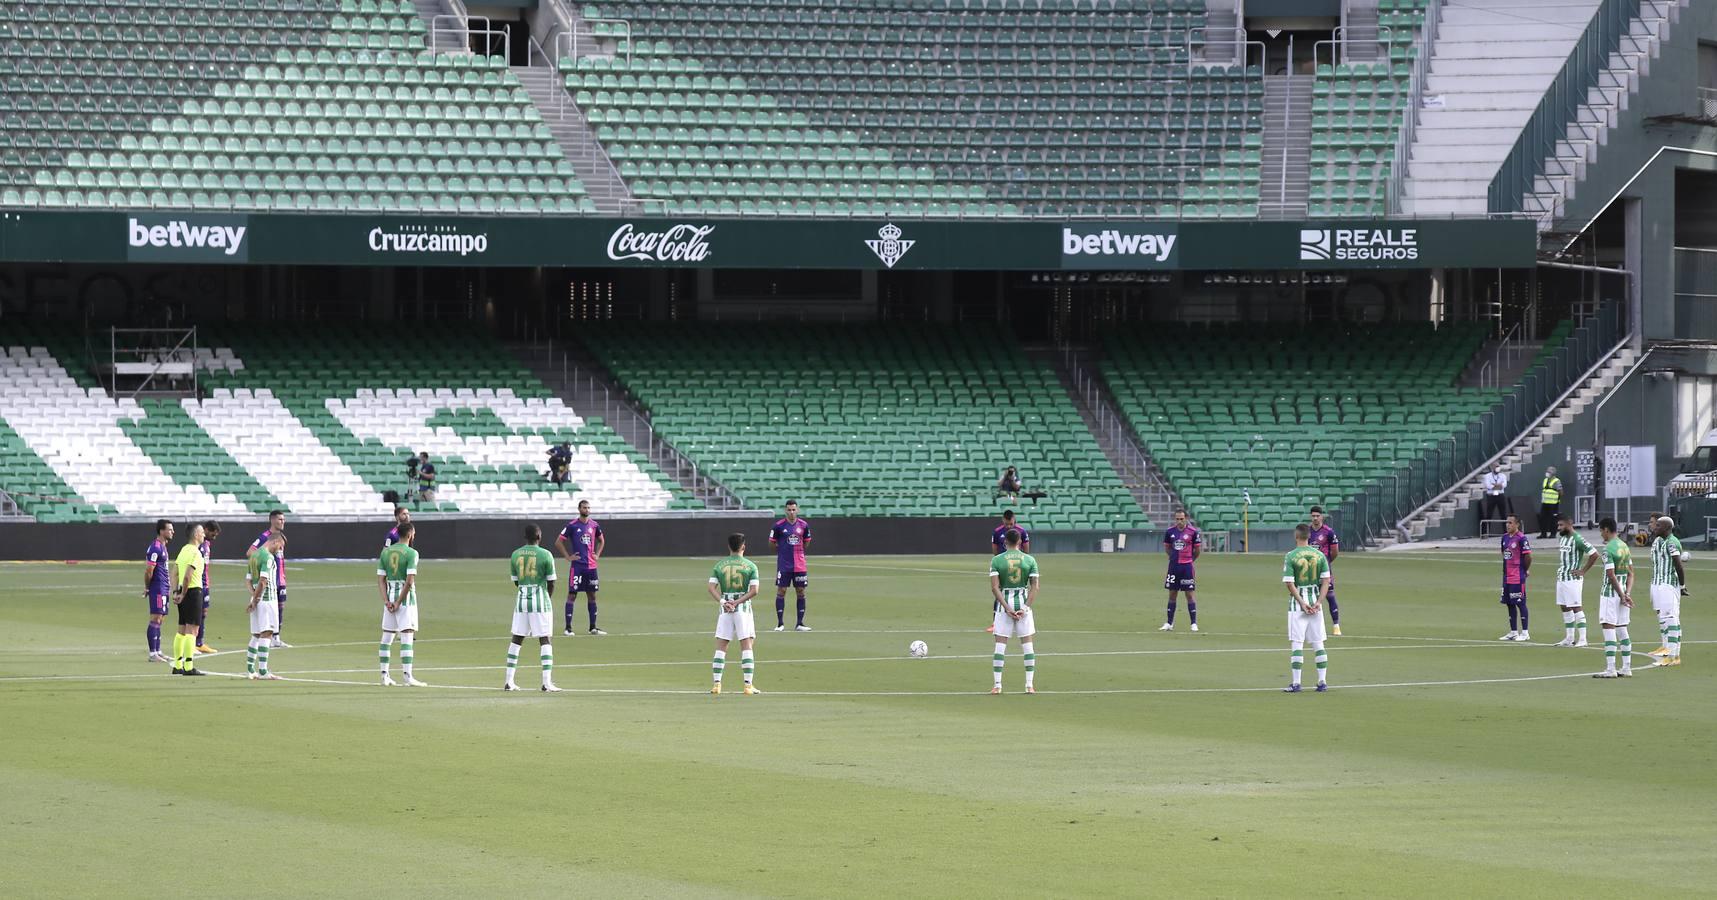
(396, 578)
(733, 584)
(1577, 558)
(1616, 602)
(1668, 583)
(532, 569)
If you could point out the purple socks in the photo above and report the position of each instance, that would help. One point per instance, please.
(154, 637)
(801, 609)
(1171, 610)
(1191, 610)
(571, 607)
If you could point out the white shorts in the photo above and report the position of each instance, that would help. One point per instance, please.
(1612, 612)
(1302, 627)
(1666, 599)
(735, 626)
(533, 624)
(405, 619)
(266, 616)
(1007, 626)
(1568, 593)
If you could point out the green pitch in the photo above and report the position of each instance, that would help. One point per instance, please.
(1444, 764)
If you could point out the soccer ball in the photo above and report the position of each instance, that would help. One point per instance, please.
(918, 649)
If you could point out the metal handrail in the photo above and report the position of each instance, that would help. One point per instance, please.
(1607, 322)
(1340, 41)
(1560, 105)
(463, 21)
(591, 22)
(1409, 131)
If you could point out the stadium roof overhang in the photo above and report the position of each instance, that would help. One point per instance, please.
(1025, 245)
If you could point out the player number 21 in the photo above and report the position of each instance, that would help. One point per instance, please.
(1303, 567)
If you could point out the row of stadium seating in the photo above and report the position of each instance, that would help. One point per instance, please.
(1357, 111)
(1233, 412)
(987, 101)
(268, 435)
(870, 420)
(318, 106)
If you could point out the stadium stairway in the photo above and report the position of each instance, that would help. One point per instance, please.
(580, 380)
(1126, 454)
(1491, 65)
(1523, 452)
(1286, 166)
(1585, 135)
(577, 141)
(443, 39)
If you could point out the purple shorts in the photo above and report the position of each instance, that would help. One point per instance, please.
(1513, 593)
(158, 604)
(784, 578)
(1179, 578)
(584, 579)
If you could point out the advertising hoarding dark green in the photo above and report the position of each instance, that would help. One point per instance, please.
(1008, 245)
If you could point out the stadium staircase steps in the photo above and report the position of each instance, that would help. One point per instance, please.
(445, 39)
(1521, 454)
(585, 385)
(1491, 66)
(1507, 361)
(1284, 184)
(1223, 41)
(572, 131)
(1586, 135)
(1362, 33)
(1126, 454)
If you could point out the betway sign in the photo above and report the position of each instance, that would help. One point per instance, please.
(186, 238)
(677, 244)
(1119, 247)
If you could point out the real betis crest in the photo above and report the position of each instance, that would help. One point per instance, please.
(888, 246)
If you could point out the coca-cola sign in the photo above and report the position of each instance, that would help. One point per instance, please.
(679, 243)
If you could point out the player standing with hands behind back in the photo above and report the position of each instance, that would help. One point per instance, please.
(532, 568)
(1306, 573)
(733, 583)
(1013, 584)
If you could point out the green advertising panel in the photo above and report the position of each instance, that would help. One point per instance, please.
(1036, 245)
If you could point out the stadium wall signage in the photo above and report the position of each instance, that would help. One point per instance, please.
(1035, 245)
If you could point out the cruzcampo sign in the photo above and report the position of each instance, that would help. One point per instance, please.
(695, 242)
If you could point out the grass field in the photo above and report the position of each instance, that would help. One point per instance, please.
(1444, 764)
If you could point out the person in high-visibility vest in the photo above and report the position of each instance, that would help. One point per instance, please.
(1549, 502)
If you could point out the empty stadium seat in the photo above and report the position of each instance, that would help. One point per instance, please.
(922, 108)
(869, 420)
(1235, 411)
(267, 105)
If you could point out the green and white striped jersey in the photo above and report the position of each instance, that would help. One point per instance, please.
(733, 577)
(1014, 572)
(1619, 558)
(532, 567)
(1304, 568)
(395, 563)
(1575, 550)
(1664, 552)
(262, 569)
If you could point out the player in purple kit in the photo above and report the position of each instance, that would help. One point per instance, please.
(157, 585)
(1324, 539)
(1183, 545)
(276, 522)
(998, 546)
(789, 536)
(401, 516)
(211, 530)
(1516, 568)
(586, 543)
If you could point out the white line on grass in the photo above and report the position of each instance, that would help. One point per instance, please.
(857, 659)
